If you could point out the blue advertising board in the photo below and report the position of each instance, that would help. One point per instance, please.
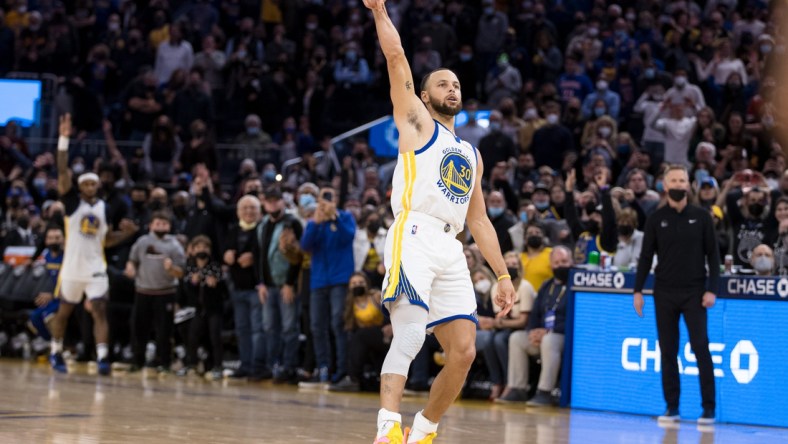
(616, 362)
(21, 101)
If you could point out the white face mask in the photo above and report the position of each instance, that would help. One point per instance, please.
(601, 85)
(763, 264)
(531, 113)
(483, 286)
(681, 81)
(605, 131)
(552, 119)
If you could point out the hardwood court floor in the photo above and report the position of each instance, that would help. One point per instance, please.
(37, 406)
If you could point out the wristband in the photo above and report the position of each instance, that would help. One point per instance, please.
(62, 143)
(504, 276)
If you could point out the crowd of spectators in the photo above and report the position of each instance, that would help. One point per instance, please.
(588, 100)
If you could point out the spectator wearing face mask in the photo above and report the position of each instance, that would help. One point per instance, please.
(541, 200)
(496, 348)
(648, 104)
(677, 129)
(591, 234)
(630, 239)
(500, 218)
(602, 92)
(496, 146)
(254, 136)
(368, 247)
(552, 141)
(503, 81)
(751, 216)
(369, 332)
(762, 260)
(156, 262)
(543, 337)
(685, 93)
(536, 256)
(247, 308)
(532, 121)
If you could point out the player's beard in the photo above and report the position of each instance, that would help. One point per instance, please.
(444, 108)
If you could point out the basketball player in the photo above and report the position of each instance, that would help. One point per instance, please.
(84, 269)
(427, 287)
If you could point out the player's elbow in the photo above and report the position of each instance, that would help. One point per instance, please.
(395, 57)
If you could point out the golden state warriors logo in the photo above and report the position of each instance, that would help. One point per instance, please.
(456, 176)
(89, 225)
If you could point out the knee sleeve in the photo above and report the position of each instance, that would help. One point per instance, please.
(409, 324)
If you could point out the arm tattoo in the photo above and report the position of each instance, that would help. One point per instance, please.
(408, 85)
(413, 119)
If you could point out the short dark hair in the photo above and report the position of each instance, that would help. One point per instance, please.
(201, 239)
(426, 78)
(162, 215)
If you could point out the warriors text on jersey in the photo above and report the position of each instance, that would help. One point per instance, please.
(86, 228)
(437, 179)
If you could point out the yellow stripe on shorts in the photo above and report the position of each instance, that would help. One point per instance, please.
(399, 226)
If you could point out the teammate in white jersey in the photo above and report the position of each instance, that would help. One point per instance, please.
(84, 269)
(436, 187)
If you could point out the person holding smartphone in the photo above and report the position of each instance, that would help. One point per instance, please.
(328, 237)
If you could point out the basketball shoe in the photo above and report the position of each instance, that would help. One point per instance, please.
(394, 436)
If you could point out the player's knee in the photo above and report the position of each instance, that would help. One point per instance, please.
(410, 339)
(405, 345)
(462, 357)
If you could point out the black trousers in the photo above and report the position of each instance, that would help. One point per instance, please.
(366, 346)
(199, 326)
(153, 312)
(669, 306)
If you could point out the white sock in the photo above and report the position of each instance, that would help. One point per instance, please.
(102, 351)
(56, 346)
(387, 420)
(422, 427)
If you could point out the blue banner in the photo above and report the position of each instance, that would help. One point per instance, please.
(616, 361)
(384, 137)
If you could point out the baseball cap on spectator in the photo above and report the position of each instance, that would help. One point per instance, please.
(273, 193)
(541, 186)
(709, 181)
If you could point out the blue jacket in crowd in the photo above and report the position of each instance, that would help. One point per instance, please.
(331, 246)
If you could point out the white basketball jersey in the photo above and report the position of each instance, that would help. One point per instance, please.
(83, 256)
(437, 179)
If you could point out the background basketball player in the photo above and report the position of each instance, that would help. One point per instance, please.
(84, 269)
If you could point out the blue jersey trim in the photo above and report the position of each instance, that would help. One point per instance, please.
(453, 318)
(429, 144)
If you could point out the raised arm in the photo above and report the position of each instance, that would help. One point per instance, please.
(63, 173)
(411, 116)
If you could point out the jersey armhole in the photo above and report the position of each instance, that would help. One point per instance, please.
(432, 140)
(70, 201)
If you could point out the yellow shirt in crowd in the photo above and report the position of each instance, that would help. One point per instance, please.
(537, 269)
(367, 313)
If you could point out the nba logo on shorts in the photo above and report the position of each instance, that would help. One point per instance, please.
(414, 229)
